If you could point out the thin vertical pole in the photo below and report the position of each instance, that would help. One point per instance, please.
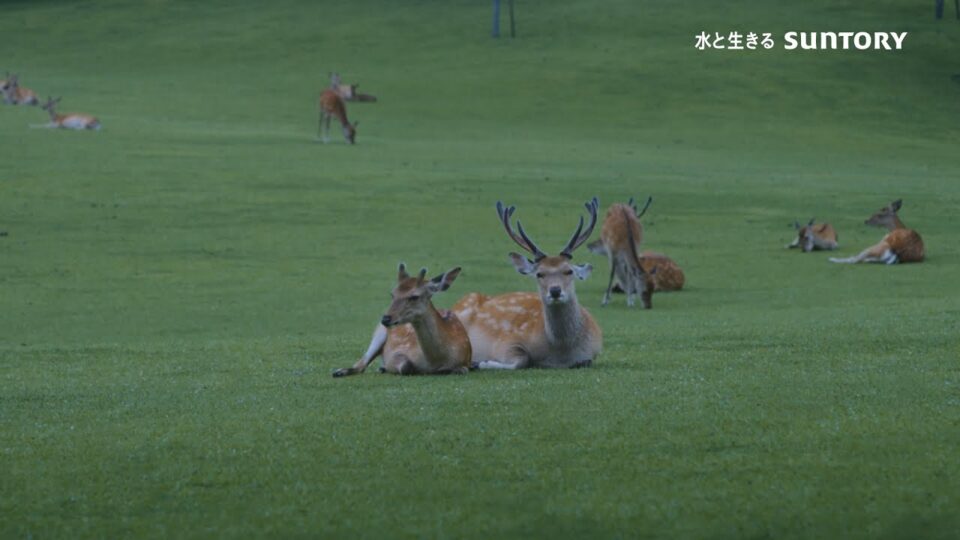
(496, 18)
(513, 28)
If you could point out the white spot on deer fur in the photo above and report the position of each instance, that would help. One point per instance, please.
(505, 325)
(466, 313)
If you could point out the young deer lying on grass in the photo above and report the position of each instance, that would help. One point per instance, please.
(527, 330)
(331, 105)
(68, 121)
(667, 274)
(14, 94)
(813, 237)
(900, 245)
(413, 336)
(348, 91)
(619, 236)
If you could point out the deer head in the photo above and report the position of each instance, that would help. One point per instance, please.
(411, 297)
(350, 131)
(886, 216)
(50, 104)
(805, 235)
(554, 274)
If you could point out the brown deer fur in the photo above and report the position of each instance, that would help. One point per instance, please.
(548, 329)
(814, 236)
(332, 106)
(900, 245)
(413, 337)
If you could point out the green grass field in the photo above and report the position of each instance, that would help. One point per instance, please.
(177, 288)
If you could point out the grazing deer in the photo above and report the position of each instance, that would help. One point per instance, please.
(548, 329)
(413, 336)
(15, 94)
(655, 268)
(813, 237)
(331, 104)
(68, 121)
(619, 236)
(900, 245)
(348, 91)
(665, 273)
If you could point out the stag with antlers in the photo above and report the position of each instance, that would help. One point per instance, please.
(547, 329)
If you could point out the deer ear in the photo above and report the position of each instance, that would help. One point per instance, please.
(582, 271)
(810, 224)
(443, 281)
(597, 248)
(402, 272)
(523, 265)
(895, 205)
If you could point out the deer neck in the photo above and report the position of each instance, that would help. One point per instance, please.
(341, 113)
(896, 224)
(431, 333)
(563, 322)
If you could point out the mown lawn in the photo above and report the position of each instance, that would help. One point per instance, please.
(176, 289)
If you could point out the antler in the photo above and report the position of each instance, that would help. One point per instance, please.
(578, 238)
(523, 241)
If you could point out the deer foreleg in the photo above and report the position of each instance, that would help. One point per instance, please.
(373, 350)
(877, 253)
(613, 270)
(494, 364)
(520, 360)
(324, 127)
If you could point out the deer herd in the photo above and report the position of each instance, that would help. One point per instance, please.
(14, 94)
(549, 328)
(544, 329)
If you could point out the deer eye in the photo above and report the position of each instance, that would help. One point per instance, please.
(413, 298)
(539, 275)
(568, 273)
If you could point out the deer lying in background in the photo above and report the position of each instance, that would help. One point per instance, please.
(548, 329)
(813, 237)
(413, 336)
(666, 274)
(14, 94)
(331, 105)
(348, 92)
(68, 121)
(900, 245)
